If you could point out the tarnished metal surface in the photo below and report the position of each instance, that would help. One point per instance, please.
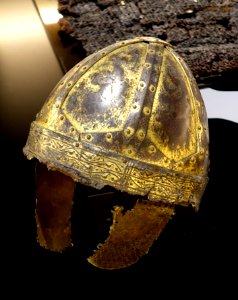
(129, 116)
(131, 107)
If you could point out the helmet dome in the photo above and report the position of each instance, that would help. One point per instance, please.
(130, 116)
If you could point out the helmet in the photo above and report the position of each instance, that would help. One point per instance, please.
(129, 116)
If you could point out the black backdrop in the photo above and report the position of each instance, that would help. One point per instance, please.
(191, 240)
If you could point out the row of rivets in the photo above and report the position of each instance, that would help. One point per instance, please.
(146, 110)
(151, 149)
(62, 118)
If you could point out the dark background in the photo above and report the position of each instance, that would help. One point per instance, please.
(191, 242)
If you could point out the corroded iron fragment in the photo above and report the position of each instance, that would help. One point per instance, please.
(131, 235)
(203, 32)
(54, 194)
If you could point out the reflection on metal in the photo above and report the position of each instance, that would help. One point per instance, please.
(111, 92)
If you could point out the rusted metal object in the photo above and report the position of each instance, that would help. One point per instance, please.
(203, 32)
(129, 116)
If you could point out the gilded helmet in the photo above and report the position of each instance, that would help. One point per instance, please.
(129, 116)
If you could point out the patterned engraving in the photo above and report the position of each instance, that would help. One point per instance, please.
(102, 168)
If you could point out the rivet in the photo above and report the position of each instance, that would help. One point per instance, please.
(151, 51)
(108, 136)
(72, 129)
(89, 137)
(69, 84)
(140, 134)
(57, 105)
(152, 149)
(142, 84)
(77, 144)
(146, 110)
(61, 118)
(84, 68)
(147, 65)
(129, 131)
(152, 88)
(134, 106)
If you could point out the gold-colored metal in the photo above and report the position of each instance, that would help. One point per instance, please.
(103, 124)
(130, 116)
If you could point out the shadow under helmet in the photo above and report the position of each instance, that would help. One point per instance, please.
(129, 116)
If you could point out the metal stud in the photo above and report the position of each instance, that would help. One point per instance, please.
(146, 110)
